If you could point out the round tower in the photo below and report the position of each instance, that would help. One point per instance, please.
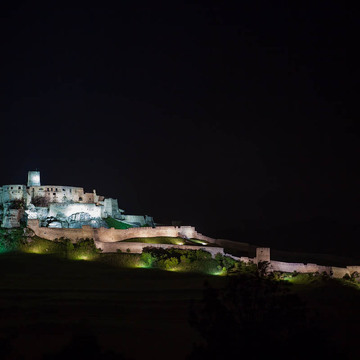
(33, 178)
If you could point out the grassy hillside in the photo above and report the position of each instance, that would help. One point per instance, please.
(113, 308)
(52, 299)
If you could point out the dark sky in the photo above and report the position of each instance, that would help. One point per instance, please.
(223, 116)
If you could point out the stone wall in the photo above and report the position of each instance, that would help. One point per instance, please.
(57, 193)
(12, 192)
(353, 269)
(139, 219)
(114, 235)
(109, 241)
(69, 209)
(12, 218)
(135, 247)
(298, 267)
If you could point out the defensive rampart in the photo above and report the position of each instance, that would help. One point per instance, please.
(111, 240)
(114, 235)
(298, 267)
(135, 247)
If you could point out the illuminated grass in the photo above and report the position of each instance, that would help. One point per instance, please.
(116, 224)
(158, 240)
(198, 242)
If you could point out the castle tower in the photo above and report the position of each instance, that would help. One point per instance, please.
(33, 178)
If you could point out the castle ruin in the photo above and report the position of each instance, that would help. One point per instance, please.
(59, 206)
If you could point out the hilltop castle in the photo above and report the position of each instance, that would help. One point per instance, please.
(53, 212)
(59, 206)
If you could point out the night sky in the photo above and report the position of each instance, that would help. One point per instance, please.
(237, 119)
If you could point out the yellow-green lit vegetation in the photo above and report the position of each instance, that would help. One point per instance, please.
(159, 240)
(170, 241)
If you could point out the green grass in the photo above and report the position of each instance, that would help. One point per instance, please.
(116, 224)
(170, 241)
(158, 240)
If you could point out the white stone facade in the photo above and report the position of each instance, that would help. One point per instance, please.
(59, 204)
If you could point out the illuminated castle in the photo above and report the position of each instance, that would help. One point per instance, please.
(60, 206)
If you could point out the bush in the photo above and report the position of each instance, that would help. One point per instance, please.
(11, 239)
(147, 259)
(42, 246)
(83, 249)
(242, 267)
(202, 266)
(225, 261)
(171, 263)
(355, 275)
(202, 255)
(186, 260)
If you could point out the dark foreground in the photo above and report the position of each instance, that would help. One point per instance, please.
(52, 308)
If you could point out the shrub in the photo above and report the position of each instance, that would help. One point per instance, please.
(171, 263)
(202, 266)
(185, 259)
(325, 275)
(225, 261)
(242, 267)
(42, 246)
(202, 255)
(147, 259)
(82, 249)
(11, 239)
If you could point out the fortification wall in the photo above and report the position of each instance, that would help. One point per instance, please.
(138, 247)
(299, 267)
(57, 233)
(353, 269)
(339, 272)
(112, 235)
(12, 192)
(57, 193)
(12, 218)
(108, 241)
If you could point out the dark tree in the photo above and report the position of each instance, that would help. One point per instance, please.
(257, 317)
